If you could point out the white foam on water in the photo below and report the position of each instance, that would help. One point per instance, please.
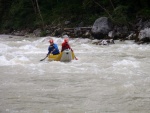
(20, 59)
(126, 63)
(116, 76)
(4, 48)
(28, 47)
(4, 61)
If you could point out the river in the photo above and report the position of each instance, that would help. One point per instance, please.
(104, 79)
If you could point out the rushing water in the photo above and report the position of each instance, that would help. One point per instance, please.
(104, 79)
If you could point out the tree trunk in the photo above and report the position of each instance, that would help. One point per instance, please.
(112, 4)
(40, 13)
(34, 6)
(103, 8)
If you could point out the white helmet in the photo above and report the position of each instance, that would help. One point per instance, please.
(65, 36)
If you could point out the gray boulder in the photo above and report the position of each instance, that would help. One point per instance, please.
(37, 32)
(101, 27)
(144, 35)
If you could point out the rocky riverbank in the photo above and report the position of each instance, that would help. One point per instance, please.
(103, 28)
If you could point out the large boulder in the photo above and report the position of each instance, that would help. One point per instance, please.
(144, 35)
(142, 24)
(37, 32)
(101, 27)
(120, 32)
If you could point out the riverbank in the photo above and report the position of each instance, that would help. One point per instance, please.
(102, 28)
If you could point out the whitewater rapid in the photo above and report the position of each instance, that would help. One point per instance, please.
(104, 79)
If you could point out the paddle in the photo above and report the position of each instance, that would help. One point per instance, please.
(44, 58)
(75, 57)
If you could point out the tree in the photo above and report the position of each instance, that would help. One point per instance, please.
(37, 10)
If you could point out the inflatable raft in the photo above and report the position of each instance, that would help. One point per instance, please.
(65, 56)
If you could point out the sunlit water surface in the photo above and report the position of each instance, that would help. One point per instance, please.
(104, 79)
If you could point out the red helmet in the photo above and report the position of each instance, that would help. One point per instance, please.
(51, 41)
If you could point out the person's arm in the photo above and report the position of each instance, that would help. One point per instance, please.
(49, 50)
(55, 49)
(52, 51)
(62, 47)
(70, 48)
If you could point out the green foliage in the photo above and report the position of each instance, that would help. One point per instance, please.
(119, 15)
(19, 14)
(144, 13)
(43, 33)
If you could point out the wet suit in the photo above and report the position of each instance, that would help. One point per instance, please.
(65, 45)
(53, 49)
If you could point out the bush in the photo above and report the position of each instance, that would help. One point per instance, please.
(119, 15)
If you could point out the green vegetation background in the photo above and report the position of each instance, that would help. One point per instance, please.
(21, 14)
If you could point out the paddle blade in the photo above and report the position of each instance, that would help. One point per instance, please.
(43, 58)
(76, 58)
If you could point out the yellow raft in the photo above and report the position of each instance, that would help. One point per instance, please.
(65, 56)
